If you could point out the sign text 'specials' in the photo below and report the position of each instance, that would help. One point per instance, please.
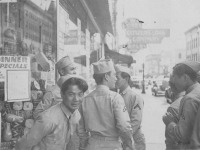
(14, 62)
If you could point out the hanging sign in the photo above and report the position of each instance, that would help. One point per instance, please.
(148, 33)
(146, 40)
(131, 23)
(136, 46)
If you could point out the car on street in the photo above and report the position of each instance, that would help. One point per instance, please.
(159, 86)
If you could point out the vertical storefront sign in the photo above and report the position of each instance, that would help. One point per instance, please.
(87, 45)
(79, 31)
(63, 30)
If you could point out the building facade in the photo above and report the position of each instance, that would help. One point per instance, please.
(192, 43)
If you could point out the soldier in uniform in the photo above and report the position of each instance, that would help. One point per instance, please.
(65, 66)
(185, 79)
(173, 109)
(195, 138)
(104, 117)
(134, 104)
(53, 127)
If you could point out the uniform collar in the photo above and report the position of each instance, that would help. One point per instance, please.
(104, 87)
(179, 95)
(65, 110)
(126, 90)
(192, 87)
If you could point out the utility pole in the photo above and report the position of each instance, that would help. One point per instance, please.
(143, 82)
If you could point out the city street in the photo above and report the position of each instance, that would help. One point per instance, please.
(152, 125)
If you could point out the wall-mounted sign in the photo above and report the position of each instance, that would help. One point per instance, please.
(15, 73)
(72, 39)
(148, 33)
(8, 1)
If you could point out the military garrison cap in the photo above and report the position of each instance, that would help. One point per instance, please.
(192, 64)
(63, 62)
(103, 66)
(62, 79)
(122, 69)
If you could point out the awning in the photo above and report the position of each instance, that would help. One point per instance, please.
(99, 10)
(109, 54)
(101, 13)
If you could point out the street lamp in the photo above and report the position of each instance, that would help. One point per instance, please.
(143, 83)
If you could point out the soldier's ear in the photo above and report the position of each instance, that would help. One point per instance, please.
(106, 76)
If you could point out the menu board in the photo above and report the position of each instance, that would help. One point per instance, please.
(17, 85)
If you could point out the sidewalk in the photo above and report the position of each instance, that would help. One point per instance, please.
(152, 125)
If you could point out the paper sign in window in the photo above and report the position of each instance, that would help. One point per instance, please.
(17, 85)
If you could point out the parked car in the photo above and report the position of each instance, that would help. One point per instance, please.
(159, 86)
(137, 83)
(168, 95)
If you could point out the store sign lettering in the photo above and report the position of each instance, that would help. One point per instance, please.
(14, 62)
(148, 33)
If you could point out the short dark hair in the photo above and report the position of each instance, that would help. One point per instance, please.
(99, 77)
(125, 75)
(82, 85)
(182, 69)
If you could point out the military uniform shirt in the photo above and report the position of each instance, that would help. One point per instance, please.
(195, 138)
(51, 130)
(182, 131)
(134, 104)
(49, 99)
(174, 110)
(103, 113)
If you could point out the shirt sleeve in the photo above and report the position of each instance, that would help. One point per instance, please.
(136, 113)
(183, 129)
(122, 120)
(195, 142)
(44, 104)
(41, 128)
(81, 131)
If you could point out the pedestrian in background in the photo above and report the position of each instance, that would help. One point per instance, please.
(185, 79)
(104, 117)
(134, 104)
(172, 110)
(53, 127)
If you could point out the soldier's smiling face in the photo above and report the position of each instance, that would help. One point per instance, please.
(72, 97)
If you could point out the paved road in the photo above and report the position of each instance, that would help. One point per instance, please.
(152, 124)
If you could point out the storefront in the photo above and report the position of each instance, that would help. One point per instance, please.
(35, 34)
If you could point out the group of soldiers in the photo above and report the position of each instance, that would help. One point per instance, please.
(69, 119)
(182, 118)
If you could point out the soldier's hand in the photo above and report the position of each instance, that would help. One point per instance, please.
(168, 118)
